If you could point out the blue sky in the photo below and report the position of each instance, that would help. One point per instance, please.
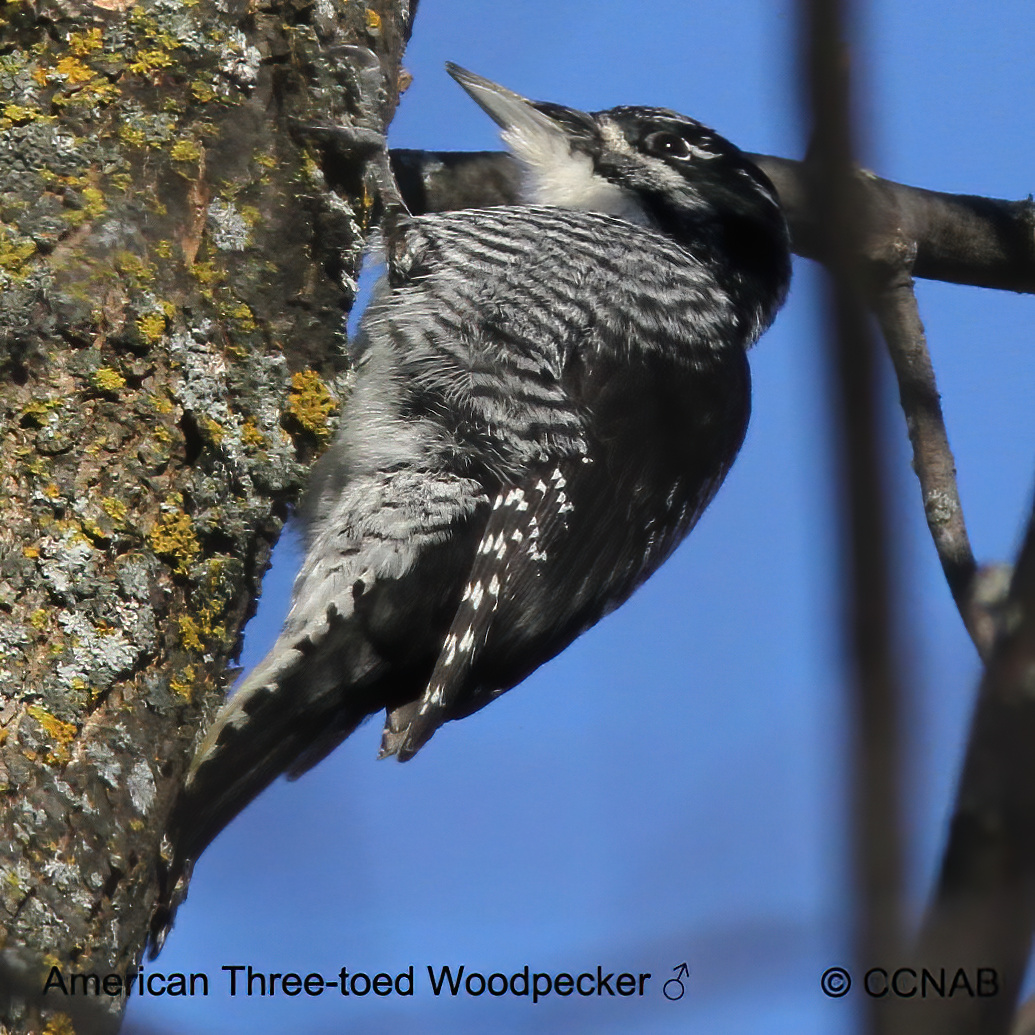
(673, 787)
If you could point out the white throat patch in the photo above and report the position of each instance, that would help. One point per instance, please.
(554, 175)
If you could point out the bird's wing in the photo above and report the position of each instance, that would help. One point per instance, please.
(526, 519)
(636, 446)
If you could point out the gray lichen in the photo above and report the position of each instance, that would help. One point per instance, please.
(229, 230)
(141, 785)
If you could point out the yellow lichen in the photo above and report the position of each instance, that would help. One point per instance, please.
(244, 317)
(63, 733)
(373, 23)
(95, 204)
(73, 70)
(311, 167)
(205, 272)
(174, 537)
(94, 531)
(310, 403)
(189, 635)
(203, 92)
(160, 403)
(83, 43)
(97, 90)
(214, 431)
(38, 619)
(184, 687)
(134, 266)
(186, 151)
(35, 412)
(132, 135)
(31, 552)
(150, 60)
(115, 509)
(59, 1024)
(152, 327)
(251, 435)
(107, 380)
(78, 533)
(14, 253)
(19, 114)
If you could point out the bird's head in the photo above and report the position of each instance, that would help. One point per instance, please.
(649, 166)
(641, 164)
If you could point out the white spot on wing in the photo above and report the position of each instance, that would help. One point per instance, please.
(450, 648)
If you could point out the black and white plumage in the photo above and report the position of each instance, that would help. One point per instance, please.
(547, 396)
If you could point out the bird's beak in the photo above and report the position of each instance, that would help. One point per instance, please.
(526, 124)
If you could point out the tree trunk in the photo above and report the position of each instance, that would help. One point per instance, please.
(174, 273)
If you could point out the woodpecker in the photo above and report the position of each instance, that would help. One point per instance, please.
(547, 396)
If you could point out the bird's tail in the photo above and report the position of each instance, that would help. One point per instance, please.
(294, 708)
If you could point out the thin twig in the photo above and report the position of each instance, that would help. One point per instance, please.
(894, 304)
(841, 230)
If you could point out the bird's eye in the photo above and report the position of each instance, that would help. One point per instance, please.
(667, 145)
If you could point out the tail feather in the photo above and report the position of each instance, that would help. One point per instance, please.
(298, 695)
(300, 698)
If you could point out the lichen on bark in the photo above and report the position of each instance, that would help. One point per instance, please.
(174, 272)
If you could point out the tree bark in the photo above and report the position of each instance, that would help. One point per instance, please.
(174, 273)
(174, 270)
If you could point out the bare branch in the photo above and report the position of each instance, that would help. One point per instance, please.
(983, 914)
(960, 238)
(894, 304)
(841, 228)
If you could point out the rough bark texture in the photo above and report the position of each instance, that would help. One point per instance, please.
(174, 272)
